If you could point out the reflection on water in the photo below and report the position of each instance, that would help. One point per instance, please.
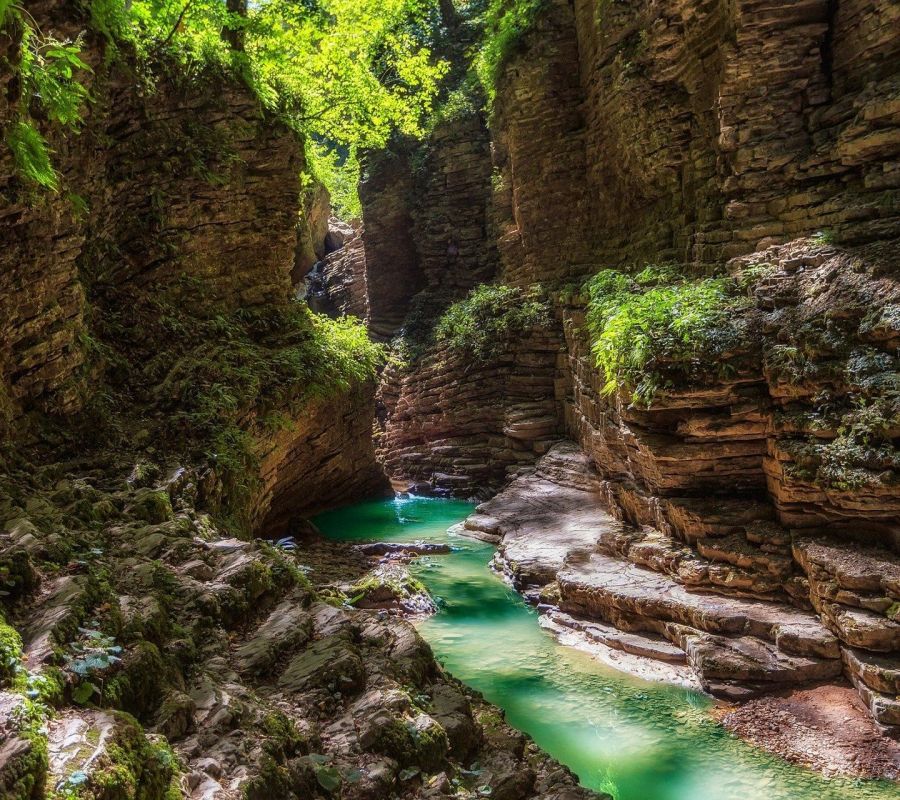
(635, 740)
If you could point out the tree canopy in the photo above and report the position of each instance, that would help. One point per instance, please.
(346, 73)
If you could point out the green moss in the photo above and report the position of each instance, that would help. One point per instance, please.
(133, 767)
(10, 652)
(209, 371)
(283, 739)
(28, 769)
(893, 612)
(658, 330)
(380, 587)
(862, 454)
(138, 687)
(491, 317)
(151, 505)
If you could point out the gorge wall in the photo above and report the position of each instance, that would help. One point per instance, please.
(756, 140)
(166, 399)
(152, 253)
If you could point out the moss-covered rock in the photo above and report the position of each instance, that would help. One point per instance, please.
(152, 505)
(102, 755)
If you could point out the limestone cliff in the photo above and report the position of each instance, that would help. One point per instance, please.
(752, 140)
(165, 399)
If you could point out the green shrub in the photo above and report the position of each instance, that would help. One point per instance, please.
(505, 24)
(650, 330)
(10, 652)
(483, 324)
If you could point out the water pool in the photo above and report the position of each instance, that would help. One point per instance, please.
(632, 739)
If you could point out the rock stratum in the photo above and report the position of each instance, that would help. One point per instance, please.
(165, 399)
(746, 519)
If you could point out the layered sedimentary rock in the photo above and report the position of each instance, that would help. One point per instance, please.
(393, 274)
(337, 284)
(325, 458)
(178, 208)
(677, 131)
(456, 425)
(647, 603)
(757, 141)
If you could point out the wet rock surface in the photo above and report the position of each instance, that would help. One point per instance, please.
(626, 596)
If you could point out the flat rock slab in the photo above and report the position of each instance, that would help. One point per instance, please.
(648, 646)
(878, 672)
(288, 626)
(600, 582)
(545, 518)
(647, 668)
(412, 548)
(851, 565)
(332, 663)
(721, 661)
(860, 628)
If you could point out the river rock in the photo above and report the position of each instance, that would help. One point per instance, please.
(601, 582)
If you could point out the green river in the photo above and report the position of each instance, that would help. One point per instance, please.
(632, 739)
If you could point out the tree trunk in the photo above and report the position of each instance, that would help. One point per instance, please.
(235, 36)
(448, 13)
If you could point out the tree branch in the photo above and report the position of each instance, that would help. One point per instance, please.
(178, 22)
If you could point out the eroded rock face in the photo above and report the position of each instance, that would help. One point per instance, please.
(632, 595)
(456, 426)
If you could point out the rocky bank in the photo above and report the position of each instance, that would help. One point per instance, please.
(744, 519)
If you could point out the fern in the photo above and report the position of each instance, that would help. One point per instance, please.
(649, 330)
(32, 155)
(49, 68)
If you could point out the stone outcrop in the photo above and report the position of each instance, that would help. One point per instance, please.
(165, 239)
(393, 273)
(458, 427)
(225, 648)
(337, 284)
(646, 603)
(694, 133)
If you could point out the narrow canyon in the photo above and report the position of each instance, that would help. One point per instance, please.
(624, 317)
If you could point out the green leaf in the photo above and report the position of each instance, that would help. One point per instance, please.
(83, 692)
(329, 778)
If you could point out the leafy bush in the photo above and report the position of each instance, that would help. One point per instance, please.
(5, 6)
(649, 330)
(505, 23)
(483, 323)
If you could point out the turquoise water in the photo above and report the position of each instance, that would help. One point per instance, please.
(633, 739)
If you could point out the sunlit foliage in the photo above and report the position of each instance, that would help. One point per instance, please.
(345, 73)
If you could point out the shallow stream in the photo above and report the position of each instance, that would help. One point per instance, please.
(632, 739)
